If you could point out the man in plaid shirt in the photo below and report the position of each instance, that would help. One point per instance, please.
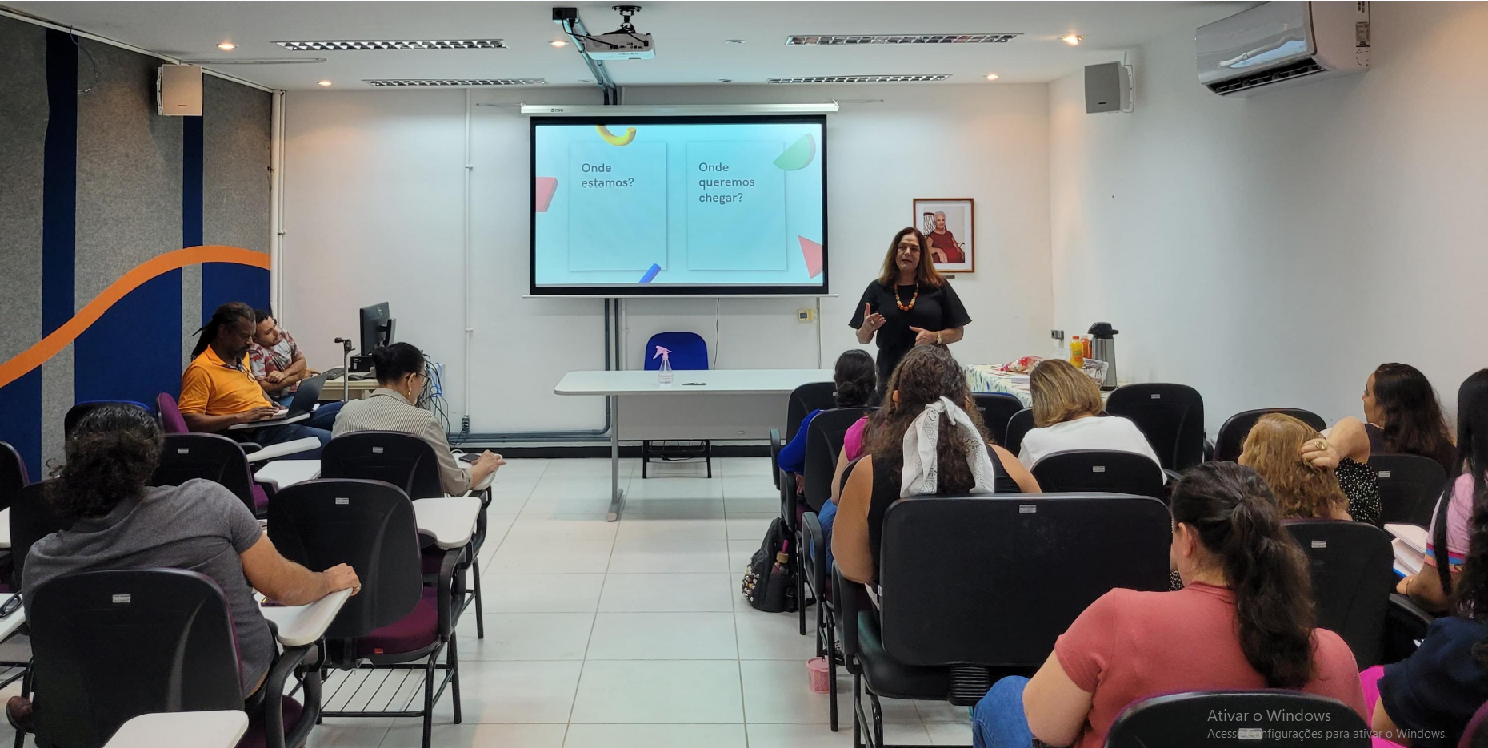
(278, 364)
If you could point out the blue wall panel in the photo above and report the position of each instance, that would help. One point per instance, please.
(20, 419)
(126, 354)
(223, 282)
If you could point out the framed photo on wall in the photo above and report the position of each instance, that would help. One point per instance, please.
(949, 226)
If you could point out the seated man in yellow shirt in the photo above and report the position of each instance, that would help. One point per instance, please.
(218, 389)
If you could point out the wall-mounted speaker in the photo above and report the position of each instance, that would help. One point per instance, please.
(1107, 88)
(178, 90)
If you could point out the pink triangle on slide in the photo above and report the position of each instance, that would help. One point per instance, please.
(813, 254)
(546, 186)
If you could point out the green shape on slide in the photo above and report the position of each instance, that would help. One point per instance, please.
(799, 155)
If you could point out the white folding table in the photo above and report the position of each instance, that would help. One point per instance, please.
(642, 386)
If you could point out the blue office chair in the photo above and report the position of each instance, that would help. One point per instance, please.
(687, 351)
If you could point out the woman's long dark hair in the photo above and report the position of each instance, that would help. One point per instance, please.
(925, 275)
(925, 374)
(111, 456)
(1472, 452)
(226, 314)
(1413, 415)
(855, 379)
(1234, 514)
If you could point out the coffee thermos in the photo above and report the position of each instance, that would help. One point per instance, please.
(1103, 348)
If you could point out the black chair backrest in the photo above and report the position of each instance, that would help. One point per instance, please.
(403, 460)
(1093, 470)
(997, 409)
(1231, 437)
(366, 524)
(1018, 427)
(1409, 486)
(1171, 416)
(803, 400)
(1352, 577)
(12, 473)
(1187, 719)
(823, 444)
(994, 580)
(112, 645)
(31, 519)
(209, 456)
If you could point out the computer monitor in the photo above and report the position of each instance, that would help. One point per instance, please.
(377, 326)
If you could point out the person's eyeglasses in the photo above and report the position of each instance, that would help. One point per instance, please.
(909, 247)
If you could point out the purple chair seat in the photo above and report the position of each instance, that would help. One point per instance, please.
(260, 499)
(255, 736)
(413, 632)
(170, 414)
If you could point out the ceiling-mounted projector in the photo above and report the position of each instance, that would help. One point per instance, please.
(624, 43)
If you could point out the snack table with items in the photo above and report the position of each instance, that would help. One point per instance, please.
(1012, 378)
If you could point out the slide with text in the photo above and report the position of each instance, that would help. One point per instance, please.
(686, 204)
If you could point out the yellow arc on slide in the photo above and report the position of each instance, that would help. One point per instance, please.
(613, 139)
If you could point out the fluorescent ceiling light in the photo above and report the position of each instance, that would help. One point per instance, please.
(833, 40)
(317, 46)
(453, 82)
(227, 46)
(923, 78)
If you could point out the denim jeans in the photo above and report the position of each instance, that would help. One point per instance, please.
(998, 720)
(324, 417)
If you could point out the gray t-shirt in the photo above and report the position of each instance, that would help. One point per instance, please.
(198, 526)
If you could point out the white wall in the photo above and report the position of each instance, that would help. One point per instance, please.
(1271, 251)
(373, 196)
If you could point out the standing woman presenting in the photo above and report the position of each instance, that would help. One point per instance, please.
(909, 304)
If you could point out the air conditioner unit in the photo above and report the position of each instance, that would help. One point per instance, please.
(1283, 44)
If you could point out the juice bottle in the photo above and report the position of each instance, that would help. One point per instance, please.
(1077, 352)
(1086, 341)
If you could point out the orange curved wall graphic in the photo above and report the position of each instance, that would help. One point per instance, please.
(49, 346)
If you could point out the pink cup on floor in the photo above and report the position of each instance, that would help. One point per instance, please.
(820, 677)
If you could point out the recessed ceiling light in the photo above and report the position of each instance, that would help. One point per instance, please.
(733, 41)
(557, 43)
(836, 40)
(325, 83)
(1072, 39)
(372, 44)
(227, 46)
(991, 76)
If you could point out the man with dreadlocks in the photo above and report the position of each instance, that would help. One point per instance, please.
(218, 389)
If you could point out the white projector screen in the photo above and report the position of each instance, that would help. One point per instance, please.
(685, 205)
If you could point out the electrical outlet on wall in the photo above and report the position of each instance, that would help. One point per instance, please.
(805, 315)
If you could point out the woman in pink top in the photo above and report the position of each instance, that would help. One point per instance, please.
(1243, 620)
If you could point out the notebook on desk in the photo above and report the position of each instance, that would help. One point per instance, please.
(299, 408)
(1410, 547)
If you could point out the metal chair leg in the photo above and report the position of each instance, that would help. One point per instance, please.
(429, 702)
(878, 738)
(480, 605)
(831, 671)
(452, 661)
(857, 710)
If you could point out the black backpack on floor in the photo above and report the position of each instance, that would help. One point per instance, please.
(770, 581)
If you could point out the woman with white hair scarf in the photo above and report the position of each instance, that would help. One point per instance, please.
(926, 440)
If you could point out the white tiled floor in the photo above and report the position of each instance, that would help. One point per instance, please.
(632, 634)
